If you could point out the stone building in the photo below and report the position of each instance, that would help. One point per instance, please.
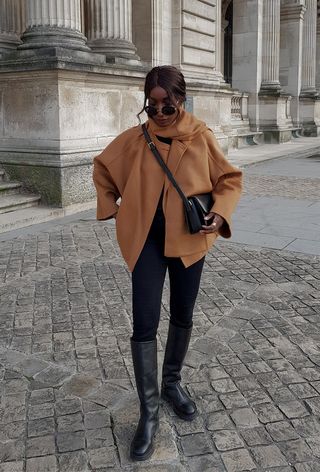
(72, 71)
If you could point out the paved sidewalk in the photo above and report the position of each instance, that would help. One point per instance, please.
(280, 208)
(297, 147)
(68, 399)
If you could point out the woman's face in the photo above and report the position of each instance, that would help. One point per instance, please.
(159, 98)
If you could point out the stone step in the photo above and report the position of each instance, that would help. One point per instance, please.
(9, 188)
(11, 203)
(26, 218)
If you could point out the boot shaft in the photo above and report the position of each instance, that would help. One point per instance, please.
(176, 349)
(145, 365)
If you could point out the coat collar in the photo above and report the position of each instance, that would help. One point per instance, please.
(184, 129)
(177, 150)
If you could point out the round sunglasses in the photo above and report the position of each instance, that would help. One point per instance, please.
(166, 110)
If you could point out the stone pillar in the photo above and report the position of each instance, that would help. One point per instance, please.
(158, 39)
(317, 102)
(11, 24)
(291, 41)
(271, 45)
(309, 49)
(53, 23)
(318, 54)
(274, 104)
(246, 53)
(309, 99)
(109, 28)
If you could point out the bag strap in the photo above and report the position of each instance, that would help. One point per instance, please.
(157, 155)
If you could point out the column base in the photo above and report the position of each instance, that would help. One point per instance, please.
(312, 93)
(270, 88)
(8, 42)
(278, 136)
(48, 36)
(275, 116)
(310, 130)
(114, 49)
(309, 114)
(50, 57)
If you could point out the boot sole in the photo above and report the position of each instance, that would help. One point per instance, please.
(148, 453)
(178, 412)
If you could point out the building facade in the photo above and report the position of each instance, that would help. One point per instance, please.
(72, 72)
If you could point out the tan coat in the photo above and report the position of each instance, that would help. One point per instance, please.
(127, 168)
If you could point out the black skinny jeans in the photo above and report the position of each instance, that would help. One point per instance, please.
(147, 285)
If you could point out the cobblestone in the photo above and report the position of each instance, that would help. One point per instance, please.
(70, 441)
(238, 461)
(196, 444)
(281, 431)
(40, 447)
(268, 456)
(227, 439)
(41, 427)
(268, 412)
(219, 420)
(245, 418)
(42, 464)
(256, 436)
(73, 462)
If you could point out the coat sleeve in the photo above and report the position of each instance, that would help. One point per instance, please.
(227, 181)
(107, 191)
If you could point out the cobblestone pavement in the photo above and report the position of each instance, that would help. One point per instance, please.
(293, 187)
(297, 178)
(68, 398)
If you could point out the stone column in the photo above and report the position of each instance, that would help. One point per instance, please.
(158, 9)
(309, 49)
(246, 53)
(292, 15)
(53, 23)
(318, 54)
(11, 24)
(109, 28)
(271, 46)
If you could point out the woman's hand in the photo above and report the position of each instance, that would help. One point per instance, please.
(217, 222)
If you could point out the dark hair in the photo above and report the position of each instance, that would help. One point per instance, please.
(167, 77)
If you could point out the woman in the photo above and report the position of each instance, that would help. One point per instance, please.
(153, 235)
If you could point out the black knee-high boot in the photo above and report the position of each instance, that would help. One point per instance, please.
(144, 356)
(171, 390)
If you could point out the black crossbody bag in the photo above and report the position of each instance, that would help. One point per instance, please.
(196, 207)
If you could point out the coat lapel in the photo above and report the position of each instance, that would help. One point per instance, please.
(177, 150)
